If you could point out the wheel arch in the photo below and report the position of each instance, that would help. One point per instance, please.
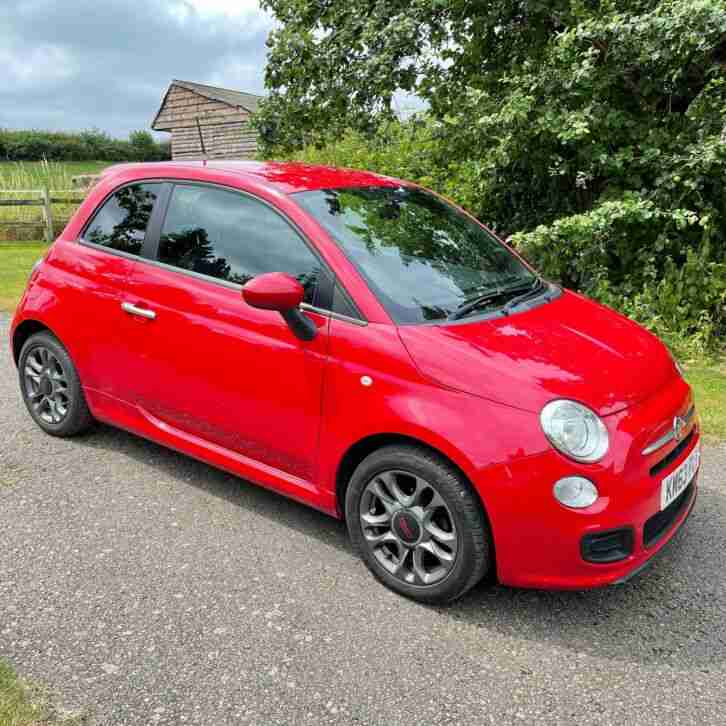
(367, 445)
(23, 331)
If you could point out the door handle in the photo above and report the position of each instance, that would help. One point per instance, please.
(128, 307)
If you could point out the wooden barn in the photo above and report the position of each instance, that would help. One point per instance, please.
(207, 122)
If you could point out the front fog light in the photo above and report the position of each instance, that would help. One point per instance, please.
(576, 492)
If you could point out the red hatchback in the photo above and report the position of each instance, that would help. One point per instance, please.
(359, 344)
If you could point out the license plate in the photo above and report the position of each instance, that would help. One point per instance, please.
(674, 484)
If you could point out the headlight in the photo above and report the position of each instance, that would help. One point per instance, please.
(574, 430)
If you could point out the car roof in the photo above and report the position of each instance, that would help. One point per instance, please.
(287, 177)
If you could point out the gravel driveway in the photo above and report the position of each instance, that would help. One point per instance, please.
(149, 588)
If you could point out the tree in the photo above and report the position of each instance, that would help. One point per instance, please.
(145, 148)
(595, 129)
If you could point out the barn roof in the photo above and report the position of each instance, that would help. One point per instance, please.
(247, 101)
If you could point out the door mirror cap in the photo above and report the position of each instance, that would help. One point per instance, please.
(273, 291)
(283, 293)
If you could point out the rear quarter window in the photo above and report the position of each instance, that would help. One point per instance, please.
(120, 222)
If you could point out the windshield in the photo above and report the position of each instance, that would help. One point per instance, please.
(423, 258)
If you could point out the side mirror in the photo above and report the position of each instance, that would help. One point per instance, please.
(283, 293)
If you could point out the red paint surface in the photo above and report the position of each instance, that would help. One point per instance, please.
(230, 384)
(273, 291)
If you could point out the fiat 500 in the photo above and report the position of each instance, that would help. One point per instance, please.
(362, 345)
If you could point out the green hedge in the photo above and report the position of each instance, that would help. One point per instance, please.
(84, 146)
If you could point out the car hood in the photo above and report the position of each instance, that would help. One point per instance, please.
(570, 347)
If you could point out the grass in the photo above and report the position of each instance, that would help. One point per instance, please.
(56, 175)
(16, 260)
(709, 387)
(25, 705)
(708, 378)
(16, 703)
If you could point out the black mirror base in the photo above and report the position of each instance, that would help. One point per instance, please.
(300, 324)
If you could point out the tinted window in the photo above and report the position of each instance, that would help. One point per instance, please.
(423, 258)
(233, 237)
(121, 222)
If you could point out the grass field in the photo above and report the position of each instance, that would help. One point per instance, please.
(709, 386)
(56, 175)
(708, 378)
(15, 263)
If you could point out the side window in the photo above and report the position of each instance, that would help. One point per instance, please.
(121, 222)
(233, 237)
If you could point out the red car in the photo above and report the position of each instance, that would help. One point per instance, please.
(360, 344)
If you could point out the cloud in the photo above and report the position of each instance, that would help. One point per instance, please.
(83, 63)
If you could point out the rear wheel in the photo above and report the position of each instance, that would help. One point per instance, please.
(51, 388)
(417, 524)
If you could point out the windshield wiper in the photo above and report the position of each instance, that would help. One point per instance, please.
(476, 302)
(534, 289)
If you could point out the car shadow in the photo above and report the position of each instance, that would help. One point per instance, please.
(681, 596)
(240, 492)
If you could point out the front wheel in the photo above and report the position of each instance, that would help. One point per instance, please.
(417, 524)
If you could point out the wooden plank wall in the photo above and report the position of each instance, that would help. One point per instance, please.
(233, 140)
(226, 130)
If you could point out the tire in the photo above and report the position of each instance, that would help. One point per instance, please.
(51, 388)
(397, 497)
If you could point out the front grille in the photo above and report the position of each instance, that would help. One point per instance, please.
(671, 456)
(610, 546)
(661, 522)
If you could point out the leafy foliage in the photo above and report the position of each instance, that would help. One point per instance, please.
(593, 130)
(84, 146)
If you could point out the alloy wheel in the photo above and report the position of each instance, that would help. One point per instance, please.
(408, 527)
(46, 385)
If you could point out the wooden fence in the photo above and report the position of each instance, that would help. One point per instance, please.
(43, 199)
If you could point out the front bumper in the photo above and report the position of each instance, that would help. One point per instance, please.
(668, 537)
(553, 560)
(539, 543)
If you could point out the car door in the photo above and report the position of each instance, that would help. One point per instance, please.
(205, 362)
(95, 275)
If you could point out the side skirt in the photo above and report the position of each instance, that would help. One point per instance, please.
(137, 421)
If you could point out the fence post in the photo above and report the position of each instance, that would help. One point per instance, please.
(48, 215)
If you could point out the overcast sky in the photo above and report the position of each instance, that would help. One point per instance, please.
(81, 64)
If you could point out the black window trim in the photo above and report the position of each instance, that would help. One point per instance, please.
(158, 215)
(150, 248)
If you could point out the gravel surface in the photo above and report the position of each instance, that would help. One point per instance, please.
(147, 588)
